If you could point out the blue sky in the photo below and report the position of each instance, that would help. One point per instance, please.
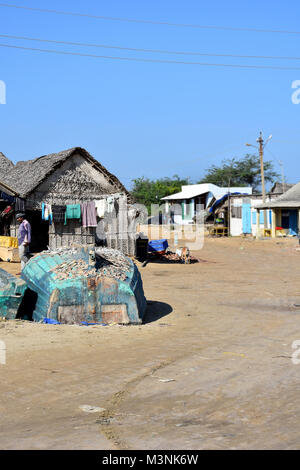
(151, 119)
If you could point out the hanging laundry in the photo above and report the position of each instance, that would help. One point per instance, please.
(110, 204)
(88, 210)
(73, 211)
(8, 211)
(19, 205)
(116, 207)
(101, 207)
(58, 213)
(7, 197)
(47, 212)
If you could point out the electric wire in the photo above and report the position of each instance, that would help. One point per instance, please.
(151, 22)
(156, 51)
(160, 61)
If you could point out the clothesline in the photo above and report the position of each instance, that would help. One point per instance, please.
(86, 212)
(68, 199)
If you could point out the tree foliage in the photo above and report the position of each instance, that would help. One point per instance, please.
(240, 172)
(147, 192)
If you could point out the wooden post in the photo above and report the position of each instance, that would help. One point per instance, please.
(273, 223)
(257, 224)
(279, 219)
(261, 156)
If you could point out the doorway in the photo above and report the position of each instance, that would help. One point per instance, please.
(39, 231)
(289, 220)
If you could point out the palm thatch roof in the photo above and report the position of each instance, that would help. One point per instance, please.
(6, 189)
(24, 177)
(290, 199)
(5, 167)
(280, 188)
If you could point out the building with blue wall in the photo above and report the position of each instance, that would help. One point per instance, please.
(285, 212)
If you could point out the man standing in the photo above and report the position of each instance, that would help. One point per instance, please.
(24, 238)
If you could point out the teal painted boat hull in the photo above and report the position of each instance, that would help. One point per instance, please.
(83, 298)
(12, 290)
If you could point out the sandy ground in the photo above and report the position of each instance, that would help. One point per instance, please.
(211, 367)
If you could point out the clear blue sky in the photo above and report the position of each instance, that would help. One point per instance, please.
(151, 119)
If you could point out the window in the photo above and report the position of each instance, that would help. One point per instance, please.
(236, 212)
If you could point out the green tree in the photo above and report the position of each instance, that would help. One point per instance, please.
(147, 192)
(240, 172)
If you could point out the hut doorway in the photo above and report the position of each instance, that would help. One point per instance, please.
(39, 231)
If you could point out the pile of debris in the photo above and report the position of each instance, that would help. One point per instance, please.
(176, 257)
(181, 255)
(105, 262)
(71, 269)
(111, 263)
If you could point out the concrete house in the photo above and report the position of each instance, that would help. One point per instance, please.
(285, 212)
(241, 211)
(182, 207)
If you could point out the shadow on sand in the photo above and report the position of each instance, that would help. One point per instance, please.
(156, 310)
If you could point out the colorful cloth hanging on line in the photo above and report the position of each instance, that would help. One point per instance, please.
(47, 212)
(88, 210)
(8, 211)
(59, 213)
(73, 211)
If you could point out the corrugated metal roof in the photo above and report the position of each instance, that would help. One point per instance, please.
(194, 190)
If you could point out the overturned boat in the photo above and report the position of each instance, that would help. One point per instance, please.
(79, 285)
(12, 291)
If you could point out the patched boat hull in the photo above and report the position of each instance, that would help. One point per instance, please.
(12, 291)
(76, 294)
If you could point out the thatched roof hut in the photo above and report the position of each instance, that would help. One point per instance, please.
(26, 176)
(71, 176)
(280, 188)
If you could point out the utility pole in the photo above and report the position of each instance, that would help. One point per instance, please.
(282, 175)
(260, 140)
(262, 145)
(229, 210)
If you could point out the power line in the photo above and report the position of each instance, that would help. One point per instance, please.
(159, 61)
(158, 51)
(152, 22)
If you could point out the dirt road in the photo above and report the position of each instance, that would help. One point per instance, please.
(210, 369)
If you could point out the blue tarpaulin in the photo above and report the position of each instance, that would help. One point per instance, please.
(223, 198)
(155, 246)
